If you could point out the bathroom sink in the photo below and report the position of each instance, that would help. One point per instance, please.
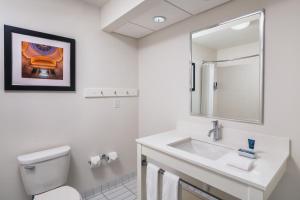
(203, 149)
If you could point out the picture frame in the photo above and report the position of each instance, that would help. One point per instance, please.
(38, 61)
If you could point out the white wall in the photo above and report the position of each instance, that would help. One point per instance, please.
(164, 78)
(199, 54)
(237, 52)
(32, 121)
(230, 100)
(238, 93)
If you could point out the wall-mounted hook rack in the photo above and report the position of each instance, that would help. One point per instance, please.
(110, 92)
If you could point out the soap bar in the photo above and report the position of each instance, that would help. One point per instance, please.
(247, 153)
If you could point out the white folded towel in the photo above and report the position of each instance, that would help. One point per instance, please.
(240, 162)
(152, 182)
(170, 186)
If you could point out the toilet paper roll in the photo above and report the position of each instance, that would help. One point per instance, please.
(112, 156)
(95, 161)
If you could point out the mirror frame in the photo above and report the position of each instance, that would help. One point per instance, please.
(260, 121)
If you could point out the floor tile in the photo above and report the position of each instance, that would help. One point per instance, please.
(125, 191)
(98, 197)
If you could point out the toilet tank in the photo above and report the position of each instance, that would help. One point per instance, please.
(45, 170)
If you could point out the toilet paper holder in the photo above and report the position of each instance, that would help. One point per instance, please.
(102, 157)
(105, 157)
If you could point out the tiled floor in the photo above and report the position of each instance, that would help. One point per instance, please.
(124, 191)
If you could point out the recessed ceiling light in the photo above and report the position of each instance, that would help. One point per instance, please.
(159, 19)
(241, 26)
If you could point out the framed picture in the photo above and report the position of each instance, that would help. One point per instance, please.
(38, 61)
(193, 76)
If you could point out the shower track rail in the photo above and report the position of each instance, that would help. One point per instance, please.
(228, 60)
(190, 187)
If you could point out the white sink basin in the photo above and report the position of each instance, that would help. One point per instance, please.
(203, 149)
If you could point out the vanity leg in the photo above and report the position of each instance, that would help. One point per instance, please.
(255, 194)
(141, 175)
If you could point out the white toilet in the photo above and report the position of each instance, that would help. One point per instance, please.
(44, 173)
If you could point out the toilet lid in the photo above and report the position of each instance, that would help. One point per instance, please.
(61, 193)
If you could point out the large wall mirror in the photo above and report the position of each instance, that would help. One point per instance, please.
(227, 70)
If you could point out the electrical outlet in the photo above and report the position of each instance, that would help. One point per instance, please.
(116, 103)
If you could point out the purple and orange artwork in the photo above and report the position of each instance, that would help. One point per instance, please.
(38, 61)
(42, 61)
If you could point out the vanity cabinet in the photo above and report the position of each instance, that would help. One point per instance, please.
(232, 187)
(256, 184)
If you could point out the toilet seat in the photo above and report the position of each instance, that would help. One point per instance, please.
(61, 193)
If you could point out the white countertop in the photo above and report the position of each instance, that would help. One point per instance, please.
(269, 162)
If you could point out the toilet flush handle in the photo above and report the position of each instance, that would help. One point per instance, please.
(30, 167)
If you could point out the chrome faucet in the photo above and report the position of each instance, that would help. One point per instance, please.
(216, 131)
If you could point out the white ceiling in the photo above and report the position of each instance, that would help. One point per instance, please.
(140, 23)
(174, 10)
(132, 30)
(228, 37)
(172, 13)
(98, 3)
(195, 7)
